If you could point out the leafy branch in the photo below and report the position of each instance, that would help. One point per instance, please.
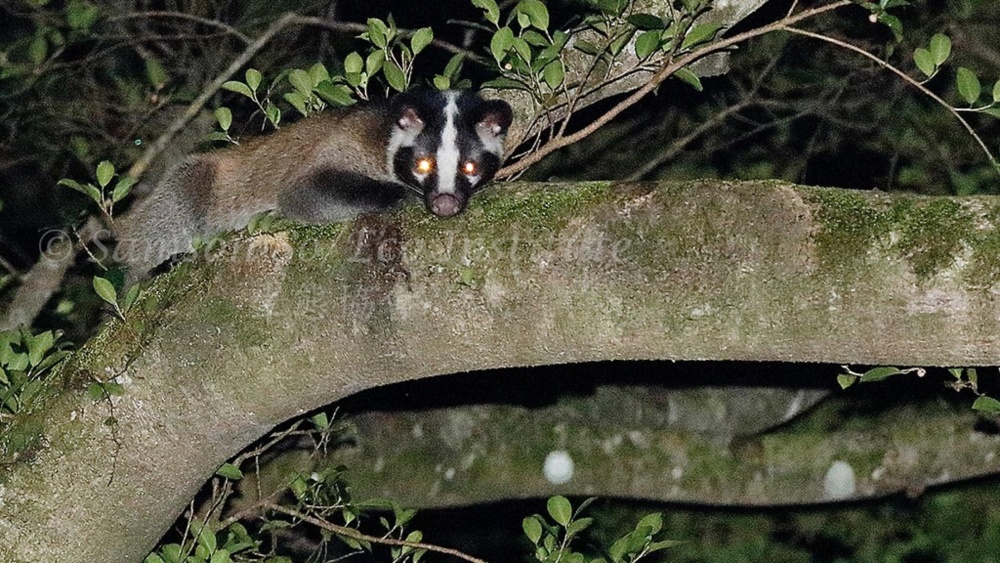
(670, 68)
(362, 537)
(967, 82)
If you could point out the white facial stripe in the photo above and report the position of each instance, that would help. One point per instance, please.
(398, 139)
(448, 154)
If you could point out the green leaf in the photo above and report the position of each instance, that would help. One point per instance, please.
(700, 34)
(894, 24)
(968, 85)
(229, 471)
(647, 43)
(130, 296)
(689, 77)
(114, 389)
(273, 114)
(532, 37)
(298, 102)
(532, 528)
(523, 21)
(155, 72)
(122, 189)
(577, 526)
(536, 11)
(995, 112)
(846, 380)
(95, 391)
(318, 73)
(503, 83)
(354, 63)
(299, 487)
(987, 405)
(239, 88)
(653, 521)
(661, 545)
(501, 42)
(220, 556)
(3, 377)
(38, 345)
(88, 190)
(394, 76)
(320, 421)
(378, 33)
(879, 374)
(421, 39)
(559, 509)
(81, 15)
(218, 136)
(586, 47)
(441, 82)
(940, 48)
(225, 117)
(302, 82)
(105, 171)
(253, 77)
(206, 539)
(523, 50)
(646, 21)
(619, 43)
(612, 7)
(374, 62)
(335, 94)
(106, 291)
(38, 50)
(492, 11)
(553, 74)
(454, 66)
(925, 61)
(996, 92)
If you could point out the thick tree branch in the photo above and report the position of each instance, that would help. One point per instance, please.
(273, 326)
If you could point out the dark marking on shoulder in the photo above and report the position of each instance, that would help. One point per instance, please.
(332, 195)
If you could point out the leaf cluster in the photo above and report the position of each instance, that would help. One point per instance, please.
(25, 358)
(553, 541)
(103, 194)
(389, 57)
(230, 545)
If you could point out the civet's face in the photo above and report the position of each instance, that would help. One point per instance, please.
(447, 145)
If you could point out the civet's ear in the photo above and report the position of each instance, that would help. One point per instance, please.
(407, 110)
(495, 118)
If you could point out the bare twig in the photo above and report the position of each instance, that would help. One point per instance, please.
(46, 276)
(355, 534)
(665, 72)
(906, 78)
(190, 17)
(679, 144)
(157, 146)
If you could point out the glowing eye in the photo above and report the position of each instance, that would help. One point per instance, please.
(469, 168)
(424, 165)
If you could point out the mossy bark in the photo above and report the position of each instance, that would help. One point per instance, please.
(271, 326)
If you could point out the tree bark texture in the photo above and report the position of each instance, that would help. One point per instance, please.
(271, 326)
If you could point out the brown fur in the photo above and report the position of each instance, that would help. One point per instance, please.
(219, 191)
